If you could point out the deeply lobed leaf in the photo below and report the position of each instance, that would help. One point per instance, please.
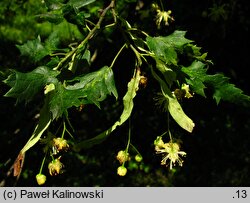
(97, 84)
(223, 90)
(24, 86)
(61, 99)
(196, 73)
(91, 88)
(167, 48)
(36, 50)
(198, 79)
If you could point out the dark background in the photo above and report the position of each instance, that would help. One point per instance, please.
(218, 149)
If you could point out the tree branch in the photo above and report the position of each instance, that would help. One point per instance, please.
(90, 34)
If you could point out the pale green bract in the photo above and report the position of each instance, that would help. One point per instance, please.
(128, 104)
(174, 106)
(44, 122)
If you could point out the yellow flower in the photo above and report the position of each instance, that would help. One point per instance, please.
(186, 88)
(55, 167)
(158, 143)
(170, 151)
(60, 144)
(122, 156)
(163, 16)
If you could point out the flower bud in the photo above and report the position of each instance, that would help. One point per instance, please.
(138, 158)
(121, 171)
(40, 179)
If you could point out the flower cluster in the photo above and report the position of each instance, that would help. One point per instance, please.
(170, 151)
(122, 157)
(56, 145)
(134, 163)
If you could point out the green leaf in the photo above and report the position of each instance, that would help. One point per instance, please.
(77, 4)
(128, 104)
(62, 99)
(86, 56)
(162, 50)
(194, 52)
(54, 4)
(43, 124)
(52, 42)
(91, 88)
(54, 14)
(24, 86)
(174, 106)
(168, 73)
(198, 79)
(52, 17)
(97, 84)
(53, 62)
(72, 15)
(223, 90)
(177, 39)
(34, 49)
(193, 49)
(196, 76)
(166, 48)
(81, 59)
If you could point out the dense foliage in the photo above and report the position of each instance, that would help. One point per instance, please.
(121, 76)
